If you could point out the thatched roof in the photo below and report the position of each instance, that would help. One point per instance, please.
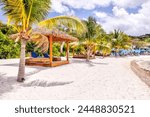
(56, 34)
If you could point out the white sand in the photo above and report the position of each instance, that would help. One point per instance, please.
(109, 78)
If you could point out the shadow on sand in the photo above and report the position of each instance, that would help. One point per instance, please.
(6, 83)
(42, 83)
(9, 84)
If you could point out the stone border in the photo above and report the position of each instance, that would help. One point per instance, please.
(143, 74)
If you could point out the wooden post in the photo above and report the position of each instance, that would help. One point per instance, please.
(94, 50)
(67, 52)
(51, 49)
(73, 52)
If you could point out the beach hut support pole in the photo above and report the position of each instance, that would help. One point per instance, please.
(94, 50)
(73, 52)
(67, 53)
(51, 49)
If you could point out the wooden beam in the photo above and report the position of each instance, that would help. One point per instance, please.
(67, 51)
(51, 49)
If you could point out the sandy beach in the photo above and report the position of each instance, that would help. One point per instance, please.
(108, 78)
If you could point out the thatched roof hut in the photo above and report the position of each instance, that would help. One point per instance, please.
(56, 34)
(53, 36)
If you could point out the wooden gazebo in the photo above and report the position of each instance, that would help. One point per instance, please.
(53, 36)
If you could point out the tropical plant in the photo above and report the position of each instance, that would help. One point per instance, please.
(120, 40)
(104, 45)
(138, 43)
(94, 33)
(78, 48)
(147, 40)
(22, 14)
(6, 29)
(8, 49)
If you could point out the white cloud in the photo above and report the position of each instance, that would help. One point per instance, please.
(58, 7)
(119, 12)
(133, 24)
(61, 5)
(86, 4)
(100, 14)
(128, 3)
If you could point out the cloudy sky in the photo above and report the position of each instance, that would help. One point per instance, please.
(130, 16)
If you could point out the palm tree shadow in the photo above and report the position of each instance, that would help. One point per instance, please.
(43, 83)
(6, 83)
(9, 84)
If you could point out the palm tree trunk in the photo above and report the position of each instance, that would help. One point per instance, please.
(21, 72)
(61, 47)
(88, 54)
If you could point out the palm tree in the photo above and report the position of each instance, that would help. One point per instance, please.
(120, 40)
(94, 31)
(104, 45)
(23, 14)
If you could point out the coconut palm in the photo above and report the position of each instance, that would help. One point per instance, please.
(120, 40)
(23, 14)
(104, 45)
(94, 31)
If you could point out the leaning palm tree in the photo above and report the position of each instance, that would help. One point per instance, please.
(23, 14)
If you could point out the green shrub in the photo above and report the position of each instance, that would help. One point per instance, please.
(63, 54)
(56, 49)
(80, 50)
(8, 48)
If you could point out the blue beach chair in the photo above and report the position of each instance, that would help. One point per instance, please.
(46, 55)
(34, 55)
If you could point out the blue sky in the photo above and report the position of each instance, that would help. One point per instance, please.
(130, 16)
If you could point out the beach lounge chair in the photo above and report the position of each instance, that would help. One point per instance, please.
(34, 55)
(45, 55)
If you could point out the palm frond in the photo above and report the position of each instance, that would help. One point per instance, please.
(70, 22)
(40, 40)
(26, 12)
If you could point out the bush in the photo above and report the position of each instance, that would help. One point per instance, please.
(63, 54)
(7, 30)
(8, 48)
(56, 49)
(80, 50)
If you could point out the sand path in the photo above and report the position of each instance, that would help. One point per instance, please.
(109, 78)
